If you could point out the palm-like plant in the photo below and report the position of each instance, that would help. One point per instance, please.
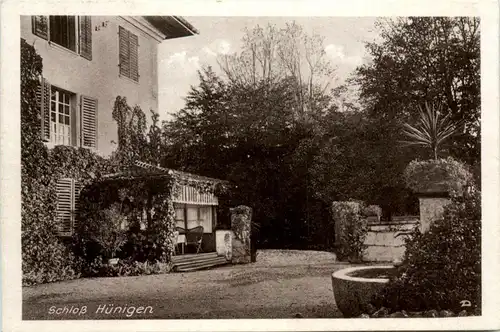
(432, 130)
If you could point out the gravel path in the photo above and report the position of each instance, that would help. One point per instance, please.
(281, 284)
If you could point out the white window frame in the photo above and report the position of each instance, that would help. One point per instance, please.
(61, 133)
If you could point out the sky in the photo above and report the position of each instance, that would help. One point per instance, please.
(180, 59)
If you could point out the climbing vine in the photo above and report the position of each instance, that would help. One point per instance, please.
(46, 257)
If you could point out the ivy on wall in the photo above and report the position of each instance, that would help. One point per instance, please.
(148, 195)
(44, 257)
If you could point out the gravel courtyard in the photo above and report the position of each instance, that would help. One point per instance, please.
(281, 284)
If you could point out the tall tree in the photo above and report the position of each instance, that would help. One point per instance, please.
(417, 60)
(247, 133)
(426, 59)
(270, 55)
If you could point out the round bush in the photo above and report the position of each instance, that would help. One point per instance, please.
(442, 175)
(441, 267)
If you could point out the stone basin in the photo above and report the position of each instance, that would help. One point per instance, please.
(354, 288)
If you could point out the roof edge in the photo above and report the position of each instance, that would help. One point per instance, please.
(188, 25)
(172, 26)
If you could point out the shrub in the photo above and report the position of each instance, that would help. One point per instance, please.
(372, 211)
(125, 268)
(351, 230)
(442, 266)
(108, 230)
(444, 175)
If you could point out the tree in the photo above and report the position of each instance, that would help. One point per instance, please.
(425, 59)
(269, 55)
(200, 134)
(417, 60)
(247, 134)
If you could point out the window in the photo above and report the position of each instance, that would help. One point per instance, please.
(68, 194)
(197, 215)
(71, 32)
(193, 218)
(179, 216)
(128, 54)
(59, 116)
(205, 217)
(63, 31)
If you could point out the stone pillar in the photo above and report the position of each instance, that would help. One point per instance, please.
(431, 209)
(241, 218)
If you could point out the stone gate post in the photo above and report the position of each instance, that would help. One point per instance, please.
(241, 218)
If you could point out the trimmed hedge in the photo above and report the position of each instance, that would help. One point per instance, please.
(351, 229)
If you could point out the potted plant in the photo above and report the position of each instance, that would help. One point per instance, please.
(440, 176)
(437, 179)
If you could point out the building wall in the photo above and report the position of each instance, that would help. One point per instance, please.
(100, 77)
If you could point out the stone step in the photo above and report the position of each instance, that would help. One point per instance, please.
(193, 257)
(202, 266)
(200, 261)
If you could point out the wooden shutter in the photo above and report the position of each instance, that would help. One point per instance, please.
(65, 207)
(40, 26)
(43, 95)
(134, 56)
(124, 61)
(86, 37)
(88, 126)
(76, 199)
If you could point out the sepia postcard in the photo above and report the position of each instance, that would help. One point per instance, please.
(245, 165)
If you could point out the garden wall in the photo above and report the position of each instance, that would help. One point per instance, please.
(385, 240)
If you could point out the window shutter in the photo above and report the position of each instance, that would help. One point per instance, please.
(43, 95)
(134, 57)
(40, 26)
(88, 122)
(76, 199)
(124, 61)
(86, 37)
(65, 191)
